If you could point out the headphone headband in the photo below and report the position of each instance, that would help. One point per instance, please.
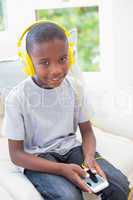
(36, 23)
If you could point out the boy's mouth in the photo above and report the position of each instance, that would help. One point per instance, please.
(58, 79)
(54, 81)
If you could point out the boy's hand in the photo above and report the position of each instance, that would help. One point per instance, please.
(94, 166)
(75, 174)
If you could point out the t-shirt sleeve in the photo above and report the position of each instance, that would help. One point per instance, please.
(83, 106)
(85, 109)
(13, 126)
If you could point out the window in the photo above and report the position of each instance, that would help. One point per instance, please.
(85, 19)
(2, 15)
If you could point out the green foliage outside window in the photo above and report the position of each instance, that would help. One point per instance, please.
(85, 20)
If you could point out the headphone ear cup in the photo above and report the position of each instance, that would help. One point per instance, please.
(71, 57)
(28, 68)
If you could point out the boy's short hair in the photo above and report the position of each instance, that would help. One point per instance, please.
(44, 32)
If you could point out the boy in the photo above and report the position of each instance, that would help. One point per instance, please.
(41, 117)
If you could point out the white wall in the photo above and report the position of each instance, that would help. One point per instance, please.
(117, 41)
(123, 42)
(18, 16)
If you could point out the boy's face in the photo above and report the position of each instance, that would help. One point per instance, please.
(50, 60)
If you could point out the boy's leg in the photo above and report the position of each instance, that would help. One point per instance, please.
(53, 187)
(119, 186)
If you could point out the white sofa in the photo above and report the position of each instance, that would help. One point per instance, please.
(113, 127)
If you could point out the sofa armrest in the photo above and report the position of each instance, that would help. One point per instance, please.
(19, 187)
(5, 194)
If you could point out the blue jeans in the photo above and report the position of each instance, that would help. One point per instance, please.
(53, 187)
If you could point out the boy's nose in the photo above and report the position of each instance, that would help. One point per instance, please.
(56, 71)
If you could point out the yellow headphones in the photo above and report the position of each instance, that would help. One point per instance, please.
(29, 67)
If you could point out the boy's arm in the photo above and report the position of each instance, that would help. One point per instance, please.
(19, 157)
(30, 161)
(89, 147)
(88, 140)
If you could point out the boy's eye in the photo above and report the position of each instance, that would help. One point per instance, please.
(63, 59)
(44, 63)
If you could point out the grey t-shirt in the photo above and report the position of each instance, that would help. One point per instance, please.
(46, 119)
